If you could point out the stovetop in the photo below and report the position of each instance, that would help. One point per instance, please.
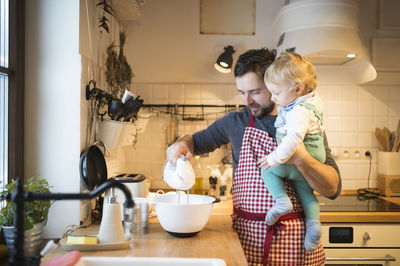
(352, 203)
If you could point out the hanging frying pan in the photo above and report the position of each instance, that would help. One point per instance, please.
(92, 167)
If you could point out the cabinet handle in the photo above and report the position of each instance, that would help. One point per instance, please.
(386, 258)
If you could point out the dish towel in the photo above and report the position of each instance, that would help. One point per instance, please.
(68, 259)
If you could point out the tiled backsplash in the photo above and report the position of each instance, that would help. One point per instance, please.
(351, 114)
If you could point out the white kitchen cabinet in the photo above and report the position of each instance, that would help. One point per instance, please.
(386, 60)
(386, 54)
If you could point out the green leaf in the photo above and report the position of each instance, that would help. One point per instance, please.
(35, 211)
(27, 224)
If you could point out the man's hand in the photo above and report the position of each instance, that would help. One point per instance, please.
(300, 155)
(321, 177)
(183, 146)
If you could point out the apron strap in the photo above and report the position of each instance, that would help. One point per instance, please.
(251, 121)
(271, 230)
(311, 107)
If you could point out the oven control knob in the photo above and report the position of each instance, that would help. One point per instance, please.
(366, 236)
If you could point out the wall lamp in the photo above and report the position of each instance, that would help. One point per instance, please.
(225, 60)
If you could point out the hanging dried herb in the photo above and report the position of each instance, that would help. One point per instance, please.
(124, 69)
(118, 71)
(111, 67)
(103, 20)
(105, 6)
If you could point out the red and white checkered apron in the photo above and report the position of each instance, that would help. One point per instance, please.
(251, 202)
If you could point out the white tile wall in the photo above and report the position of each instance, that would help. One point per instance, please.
(351, 114)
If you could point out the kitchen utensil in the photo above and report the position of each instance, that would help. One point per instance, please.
(127, 95)
(137, 103)
(131, 108)
(115, 109)
(387, 134)
(180, 175)
(393, 137)
(396, 144)
(95, 111)
(172, 132)
(381, 138)
(50, 246)
(92, 167)
(126, 106)
(140, 216)
(184, 215)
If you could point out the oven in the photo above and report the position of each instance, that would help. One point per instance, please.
(357, 241)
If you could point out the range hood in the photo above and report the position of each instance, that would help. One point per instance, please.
(326, 32)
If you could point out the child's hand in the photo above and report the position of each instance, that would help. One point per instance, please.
(263, 162)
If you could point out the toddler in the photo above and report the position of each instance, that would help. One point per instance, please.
(291, 79)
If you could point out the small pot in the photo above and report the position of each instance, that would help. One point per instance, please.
(32, 241)
(183, 215)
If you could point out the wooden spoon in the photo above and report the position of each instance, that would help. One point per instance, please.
(396, 144)
(381, 138)
(387, 134)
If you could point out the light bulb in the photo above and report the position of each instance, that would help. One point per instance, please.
(221, 69)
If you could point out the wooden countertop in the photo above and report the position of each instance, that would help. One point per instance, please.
(216, 240)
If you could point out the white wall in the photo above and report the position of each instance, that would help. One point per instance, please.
(52, 103)
(166, 46)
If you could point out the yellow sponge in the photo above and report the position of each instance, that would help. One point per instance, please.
(82, 240)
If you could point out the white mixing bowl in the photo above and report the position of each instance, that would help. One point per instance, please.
(183, 219)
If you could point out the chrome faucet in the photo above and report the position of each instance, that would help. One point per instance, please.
(19, 196)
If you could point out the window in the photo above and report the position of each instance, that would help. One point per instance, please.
(4, 55)
(12, 31)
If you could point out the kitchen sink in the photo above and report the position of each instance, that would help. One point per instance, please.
(148, 261)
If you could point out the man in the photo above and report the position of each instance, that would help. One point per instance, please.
(251, 133)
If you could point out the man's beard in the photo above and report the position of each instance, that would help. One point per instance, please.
(265, 110)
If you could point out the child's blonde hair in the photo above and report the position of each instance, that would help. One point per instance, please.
(292, 67)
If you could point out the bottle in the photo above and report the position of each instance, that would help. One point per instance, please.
(222, 188)
(198, 183)
(215, 176)
(213, 186)
(228, 179)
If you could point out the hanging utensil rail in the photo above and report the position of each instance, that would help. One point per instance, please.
(195, 105)
(172, 109)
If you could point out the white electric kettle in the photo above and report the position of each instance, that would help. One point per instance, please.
(179, 176)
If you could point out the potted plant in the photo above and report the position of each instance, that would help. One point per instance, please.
(35, 215)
